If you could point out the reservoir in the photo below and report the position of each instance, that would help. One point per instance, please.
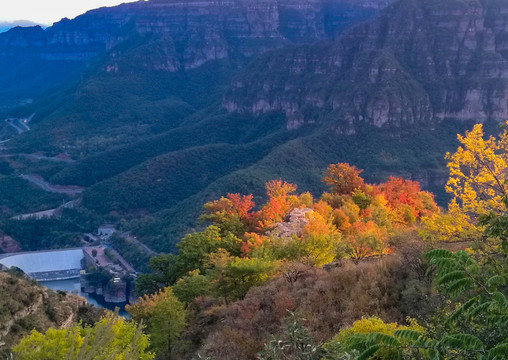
(58, 270)
(73, 286)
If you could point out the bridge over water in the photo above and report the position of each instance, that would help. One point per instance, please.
(47, 265)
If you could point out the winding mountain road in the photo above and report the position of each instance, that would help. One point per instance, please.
(37, 180)
(37, 156)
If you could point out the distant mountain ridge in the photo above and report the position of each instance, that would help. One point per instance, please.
(220, 22)
(189, 34)
(6, 25)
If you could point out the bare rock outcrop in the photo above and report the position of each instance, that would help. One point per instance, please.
(293, 224)
(29, 305)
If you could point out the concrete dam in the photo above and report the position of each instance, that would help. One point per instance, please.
(47, 265)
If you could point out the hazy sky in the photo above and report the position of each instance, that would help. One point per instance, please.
(49, 11)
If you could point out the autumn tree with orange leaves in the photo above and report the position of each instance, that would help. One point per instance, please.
(407, 200)
(242, 246)
(343, 178)
(232, 213)
(280, 198)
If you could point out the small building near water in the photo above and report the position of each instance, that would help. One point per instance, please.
(106, 230)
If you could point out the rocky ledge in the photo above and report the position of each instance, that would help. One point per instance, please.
(419, 62)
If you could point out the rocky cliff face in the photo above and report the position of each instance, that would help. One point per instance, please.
(420, 62)
(197, 30)
(167, 35)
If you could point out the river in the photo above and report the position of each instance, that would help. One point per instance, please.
(73, 286)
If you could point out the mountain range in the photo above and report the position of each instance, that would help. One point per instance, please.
(162, 105)
(7, 25)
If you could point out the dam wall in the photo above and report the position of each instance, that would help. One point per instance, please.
(47, 265)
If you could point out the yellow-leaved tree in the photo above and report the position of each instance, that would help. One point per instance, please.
(478, 172)
(477, 183)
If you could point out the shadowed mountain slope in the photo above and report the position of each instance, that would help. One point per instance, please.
(174, 103)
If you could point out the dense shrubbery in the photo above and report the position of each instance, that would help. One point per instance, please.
(290, 237)
(110, 338)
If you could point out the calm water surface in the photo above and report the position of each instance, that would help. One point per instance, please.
(73, 286)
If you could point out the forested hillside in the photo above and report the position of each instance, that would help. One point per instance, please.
(363, 271)
(136, 115)
(290, 179)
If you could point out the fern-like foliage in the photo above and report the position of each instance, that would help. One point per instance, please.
(481, 289)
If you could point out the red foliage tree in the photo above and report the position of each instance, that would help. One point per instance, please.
(343, 178)
(231, 213)
(407, 199)
(231, 205)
